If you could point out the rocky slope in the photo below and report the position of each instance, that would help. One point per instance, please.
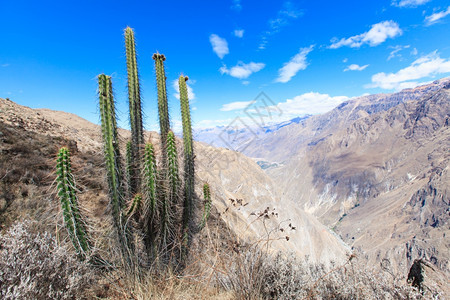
(375, 169)
(258, 214)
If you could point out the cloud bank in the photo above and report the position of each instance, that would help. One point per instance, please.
(426, 66)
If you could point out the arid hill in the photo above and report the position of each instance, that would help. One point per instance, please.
(376, 170)
(30, 138)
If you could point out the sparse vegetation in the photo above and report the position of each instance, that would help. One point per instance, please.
(33, 266)
(154, 209)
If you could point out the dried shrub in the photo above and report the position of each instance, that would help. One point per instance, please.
(33, 266)
(256, 274)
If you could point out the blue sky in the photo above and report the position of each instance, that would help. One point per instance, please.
(306, 56)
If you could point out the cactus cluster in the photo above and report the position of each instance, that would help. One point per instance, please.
(152, 199)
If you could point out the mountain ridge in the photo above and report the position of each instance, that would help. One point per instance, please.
(376, 170)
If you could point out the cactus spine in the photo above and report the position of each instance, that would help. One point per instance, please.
(134, 100)
(69, 203)
(112, 159)
(188, 154)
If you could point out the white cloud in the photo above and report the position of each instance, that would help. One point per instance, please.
(284, 15)
(310, 103)
(297, 63)
(379, 33)
(305, 104)
(345, 60)
(220, 45)
(191, 94)
(242, 70)
(426, 66)
(236, 105)
(4, 65)
(245, 82)
(434, 18)
(408, 3)
(355, 67)
(236, 5)
(395, 52)
(239, 33)
(414, 51)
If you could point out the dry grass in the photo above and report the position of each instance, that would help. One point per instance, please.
(33, 266)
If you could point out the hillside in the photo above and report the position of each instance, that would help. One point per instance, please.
(231, 176)
(375, 169)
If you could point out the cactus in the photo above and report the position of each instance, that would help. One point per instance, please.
(150, 208)
(188, 154)
(135, 206)
(163, 107)
(207, 206)
(112, 161)
(69, 204)
(172, 167)
(134, 100)
(129, 168)
(171, 186)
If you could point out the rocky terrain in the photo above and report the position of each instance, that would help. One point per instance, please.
(375, 169)
(31, 137)
(369, 177)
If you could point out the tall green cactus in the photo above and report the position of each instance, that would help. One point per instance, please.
(169, 199)
(134, 100)
(111, 146)
(163, 107)
(189, 171)
(69, 204)
(112, 161)
(150, 196)
(172, 156)
(207, 205)
(129, 168)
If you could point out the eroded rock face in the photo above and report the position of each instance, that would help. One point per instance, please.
(424, 276)
(376, 170)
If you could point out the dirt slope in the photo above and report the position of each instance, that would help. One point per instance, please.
(230, 174)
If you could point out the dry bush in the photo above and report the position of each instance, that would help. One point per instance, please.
(252, 271)
(256, 274)
(33, 266)
(148, 285)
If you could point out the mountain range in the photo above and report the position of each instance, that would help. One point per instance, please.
(374, 170)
